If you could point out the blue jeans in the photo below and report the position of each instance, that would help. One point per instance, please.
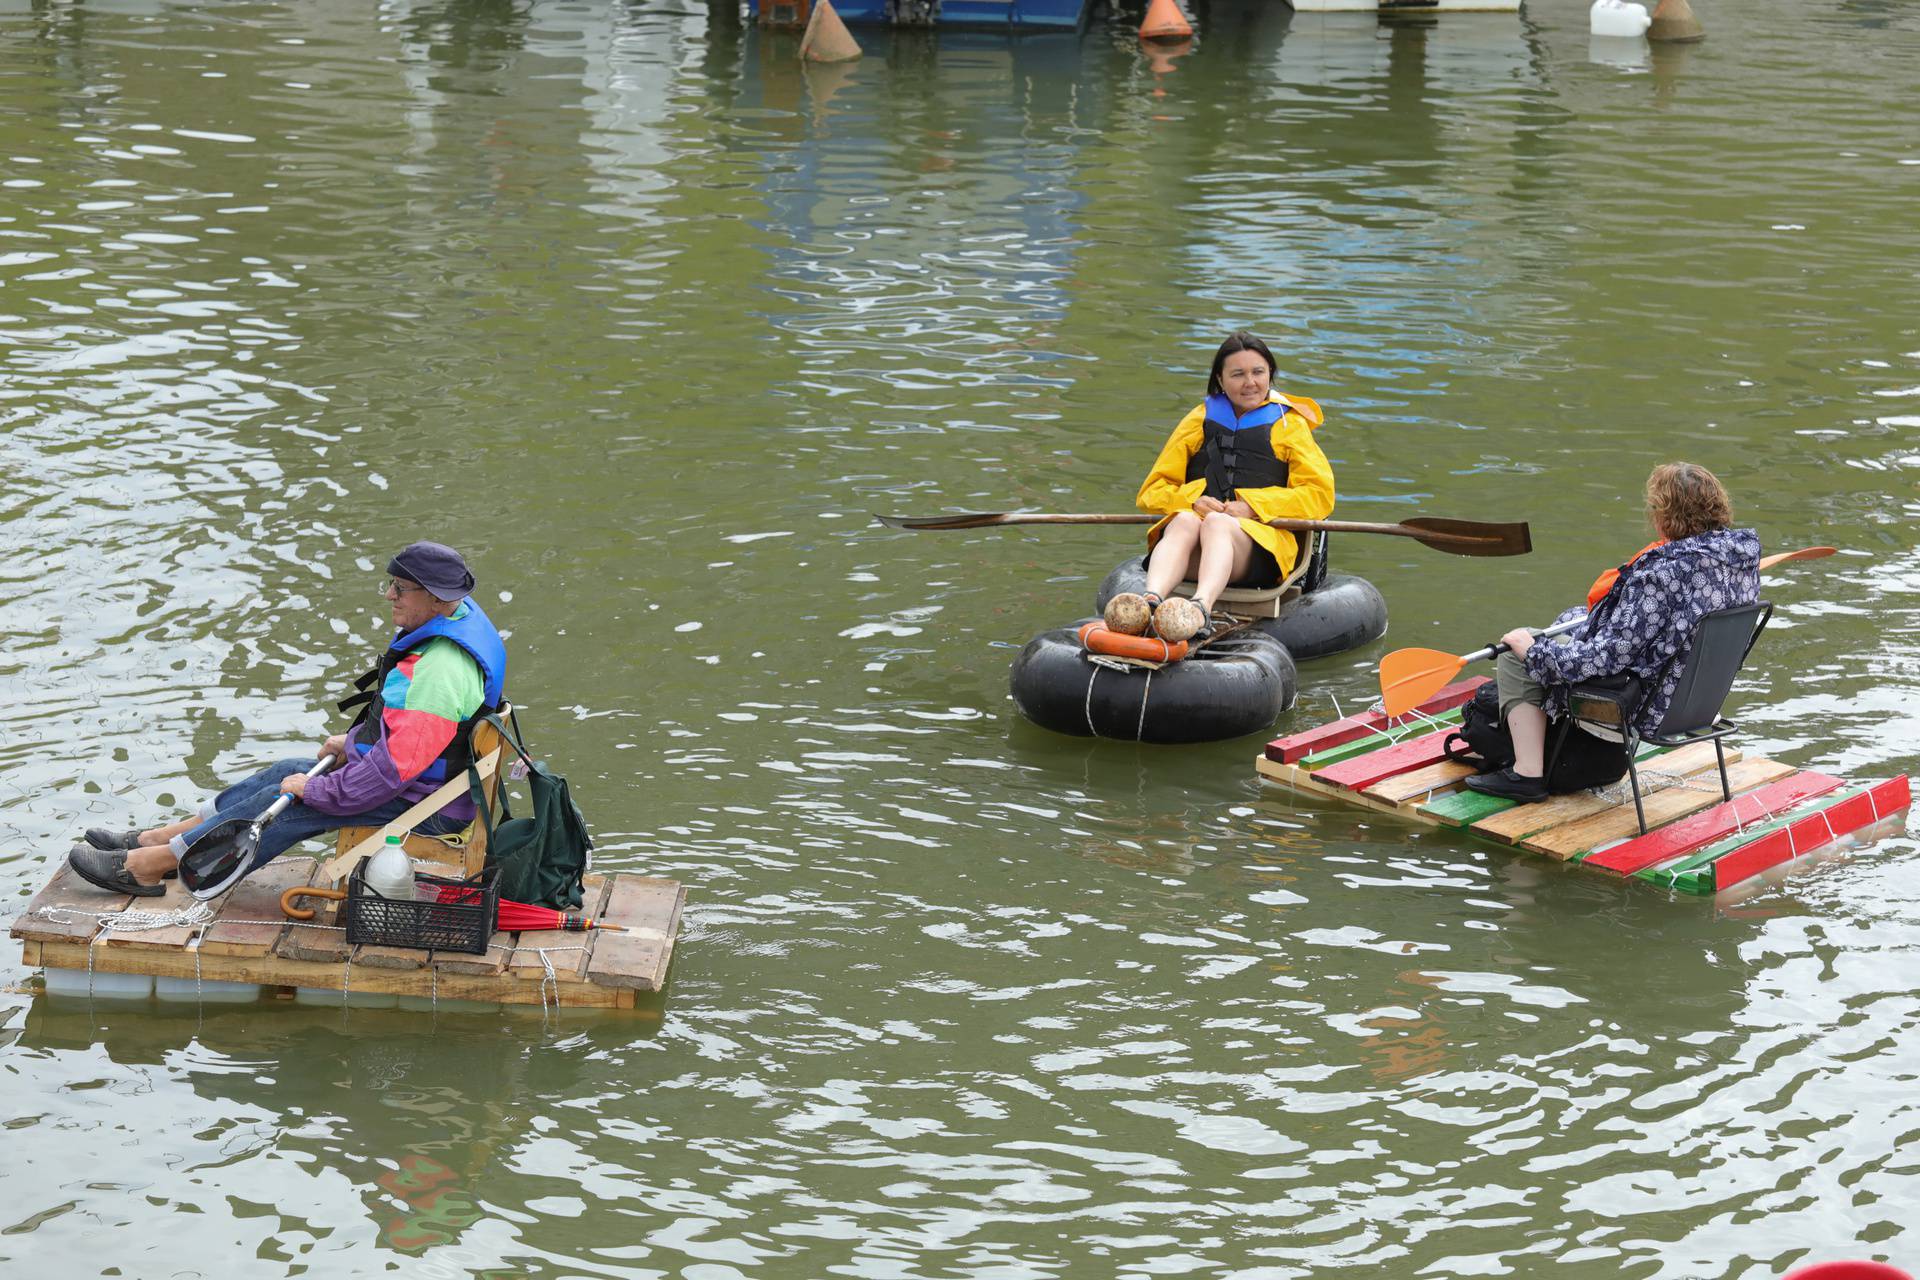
(249, 799)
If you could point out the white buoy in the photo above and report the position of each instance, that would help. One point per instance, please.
(1619, 18)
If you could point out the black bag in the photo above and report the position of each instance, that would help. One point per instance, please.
(1580, 759)
(1482, 736)
(541, 859)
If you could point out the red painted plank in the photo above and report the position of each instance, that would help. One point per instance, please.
(1708, 825)
(1359, 772)
(1809, 833)
(1295, 746)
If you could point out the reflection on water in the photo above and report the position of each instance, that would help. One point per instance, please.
(650, 319)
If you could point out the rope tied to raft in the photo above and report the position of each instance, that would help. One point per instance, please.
(1104, 661)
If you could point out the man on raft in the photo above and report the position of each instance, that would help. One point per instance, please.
(443, 671)
(1243, 456)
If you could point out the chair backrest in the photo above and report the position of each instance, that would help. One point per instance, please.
(1720, 646)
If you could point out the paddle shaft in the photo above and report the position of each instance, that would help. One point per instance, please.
(1496, 649)
(998, 519)
(279, 806)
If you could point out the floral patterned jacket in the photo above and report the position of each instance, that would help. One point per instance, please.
(1642, 626)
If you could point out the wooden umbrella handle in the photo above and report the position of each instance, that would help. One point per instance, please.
(299, 891)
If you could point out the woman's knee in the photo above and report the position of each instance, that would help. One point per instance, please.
(1185, 522)
(1219, 524)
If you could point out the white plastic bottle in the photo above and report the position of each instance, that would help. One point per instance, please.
(1618, 18)
(390, 871)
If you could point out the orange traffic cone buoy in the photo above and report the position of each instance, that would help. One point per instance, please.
(1673, 22)
(1164, 21)
(827, 38)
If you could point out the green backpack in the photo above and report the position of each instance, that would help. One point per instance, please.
(540, 859)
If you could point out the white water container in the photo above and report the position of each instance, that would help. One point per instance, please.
(335, 997)
(428, 1004)
(1618, 18)
(78, 983)
(389, 872)
(205, 991)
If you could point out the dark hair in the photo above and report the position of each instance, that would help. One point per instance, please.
(1684, 498)
(1238, 340)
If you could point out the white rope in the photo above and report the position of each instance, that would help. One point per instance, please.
(1140, 729)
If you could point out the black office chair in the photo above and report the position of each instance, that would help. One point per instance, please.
(1720, 645)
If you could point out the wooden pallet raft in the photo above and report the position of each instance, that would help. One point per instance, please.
(1696, 842)
(71, 926)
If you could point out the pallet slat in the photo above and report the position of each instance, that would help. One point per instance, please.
(1379, 740)
(249, 920)
(79, 902)
(638, 958)
(1588, 834)
(1707, 826)
(1364, 770)
(1298, 746)
(1432, 779)
(570, 959)
(1518, 823)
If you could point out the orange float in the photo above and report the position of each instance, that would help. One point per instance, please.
(1095, 638)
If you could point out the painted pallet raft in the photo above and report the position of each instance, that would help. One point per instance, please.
(70, 928)
(1695, 843)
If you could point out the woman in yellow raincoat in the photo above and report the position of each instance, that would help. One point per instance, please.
(1242, 457)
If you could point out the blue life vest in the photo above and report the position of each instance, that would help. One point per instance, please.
(475, 633)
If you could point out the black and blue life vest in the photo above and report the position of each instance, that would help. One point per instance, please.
(1236, 451)
(475, 633)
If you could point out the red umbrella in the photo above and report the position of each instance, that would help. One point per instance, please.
(525, 917)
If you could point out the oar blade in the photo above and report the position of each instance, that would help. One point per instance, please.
(1471, 537)
(1408, 677)
(1804, 553)
(216, 861)
(973, 520)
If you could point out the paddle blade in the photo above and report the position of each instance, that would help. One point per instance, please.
(1408, 677)
(1804, 553)
(216, 861)
(1471, 537)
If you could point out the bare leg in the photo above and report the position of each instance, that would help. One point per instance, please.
(150, 862)
(1225, 551)
(1528, 726)
(160, 835)
(1175, 555)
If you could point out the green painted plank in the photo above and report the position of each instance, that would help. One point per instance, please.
(1463, 808)
(1697, 866)
(1361, 746)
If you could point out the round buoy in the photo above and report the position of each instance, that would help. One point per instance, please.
(1178, 618)
(1674, 23)
(1127, 613)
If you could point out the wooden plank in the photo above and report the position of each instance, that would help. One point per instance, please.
(1295, 778)
(492, 961)
(1380, 741)
(638, 958)
(1807, 833)
(1516, 824)
(249, 920)
(1421, 783)
(1363, 771)
(1463, 808)
(76, 906)
(1697, 867)
(314, 942)
(273, 969)
(569, 956)
(176, 898)
(1573, 838)
(1703, 828)
(1298, 746)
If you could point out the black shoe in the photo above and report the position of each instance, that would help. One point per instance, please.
(1508, 785)
(107, 869)
(102, 838)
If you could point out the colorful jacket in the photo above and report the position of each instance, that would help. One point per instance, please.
(434, 685)
(1307, 494)
(1643, 625)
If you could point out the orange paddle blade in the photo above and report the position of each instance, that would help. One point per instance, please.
(1408, 677)
(1804, 553)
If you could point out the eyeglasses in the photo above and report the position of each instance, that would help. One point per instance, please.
(391, 588)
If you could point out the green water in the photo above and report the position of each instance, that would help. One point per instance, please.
(649, 321)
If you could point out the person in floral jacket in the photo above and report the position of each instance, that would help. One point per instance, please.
(1641, 626)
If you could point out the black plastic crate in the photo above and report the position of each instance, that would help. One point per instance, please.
(463, 925)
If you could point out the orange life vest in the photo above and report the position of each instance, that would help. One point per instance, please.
(1604, 583)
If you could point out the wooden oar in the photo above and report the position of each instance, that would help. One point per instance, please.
(1408, 677)
(1460, 537)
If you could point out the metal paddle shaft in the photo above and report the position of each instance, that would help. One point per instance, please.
(1458, 537)
(217, 860)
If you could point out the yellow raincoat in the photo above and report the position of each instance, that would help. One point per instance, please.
(1307, 494)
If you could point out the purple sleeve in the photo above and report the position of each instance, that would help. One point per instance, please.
(1639, 631)
(365, 782)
